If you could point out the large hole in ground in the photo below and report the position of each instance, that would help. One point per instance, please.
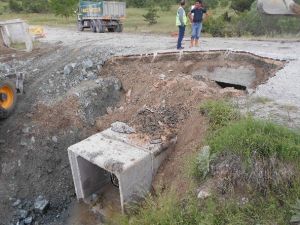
(229, 69)
(161, 94)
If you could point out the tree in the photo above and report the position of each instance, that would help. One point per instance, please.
(151, 15)
(36, 6)
(15, 6)
(63, 8)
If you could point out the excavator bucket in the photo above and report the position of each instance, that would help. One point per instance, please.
(278, 7)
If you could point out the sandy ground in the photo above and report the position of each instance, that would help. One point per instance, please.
(31, 154)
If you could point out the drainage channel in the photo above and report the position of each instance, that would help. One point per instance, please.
(116, 167)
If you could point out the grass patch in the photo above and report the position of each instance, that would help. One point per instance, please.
(265, 138)
(166, 22)
(261, 100)
(219, 112)
(134, 21)
(40, 19)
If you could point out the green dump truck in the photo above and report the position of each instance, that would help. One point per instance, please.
(101, 16)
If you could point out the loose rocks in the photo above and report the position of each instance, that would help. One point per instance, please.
(41, 204)
(121, 127)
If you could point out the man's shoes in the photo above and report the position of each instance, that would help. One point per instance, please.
(180, 48)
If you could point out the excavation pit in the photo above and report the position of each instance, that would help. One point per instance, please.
(160, 92)
(240, 70)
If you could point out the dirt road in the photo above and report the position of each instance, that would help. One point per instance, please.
(64, 79)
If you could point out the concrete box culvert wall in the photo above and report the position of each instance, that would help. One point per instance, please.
(229, 67)
(94, 159)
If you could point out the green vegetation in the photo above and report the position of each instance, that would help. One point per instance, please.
(296, 213)
(220, 113)
(225, 18)
(64, 8)
(265, 138)
(241, 150)
(39, 19)
(152, 15)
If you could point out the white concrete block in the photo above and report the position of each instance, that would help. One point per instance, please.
(93, 159)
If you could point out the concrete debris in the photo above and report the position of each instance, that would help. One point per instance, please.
(121, 127)
(87, 64)
(68, 69)
(26, 130)
(162, 77)
(4, 68)
(20, 222)
(23, 213)
(15, 32)
(54, 139)
(156, 141)
(203, 194)
(16, 203)
(41, 204)
(28, 220)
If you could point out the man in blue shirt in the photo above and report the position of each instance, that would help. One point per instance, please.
(196, 21)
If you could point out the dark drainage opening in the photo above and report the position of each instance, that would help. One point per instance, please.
(235, 86)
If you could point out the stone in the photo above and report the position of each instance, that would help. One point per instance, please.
(87, 63)
(20, 222)
(68, 69)
(26, 130)
(4, 68)
(2, 141)
(121, 127)
(156, 141)
(28, 220)
(41, 204)
(162, 77)
(16, 203)
(203, 194)
(23, 213)
(54, 139)
(91, 76)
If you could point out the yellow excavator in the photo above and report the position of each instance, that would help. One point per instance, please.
(8, 98)
(9, 86)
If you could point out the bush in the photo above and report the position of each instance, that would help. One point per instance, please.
(63, 8)
(152, 15)
(15, 6)
(215, 26)
(241, 5)
(37, 6)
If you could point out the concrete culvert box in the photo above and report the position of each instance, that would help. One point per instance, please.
(110, 154)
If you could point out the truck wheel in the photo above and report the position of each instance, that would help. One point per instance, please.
(93, 26)
(80, 26)
(119, 28)
(100, 27)
(8, 98)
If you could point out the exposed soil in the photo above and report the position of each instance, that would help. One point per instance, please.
(158, 96)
